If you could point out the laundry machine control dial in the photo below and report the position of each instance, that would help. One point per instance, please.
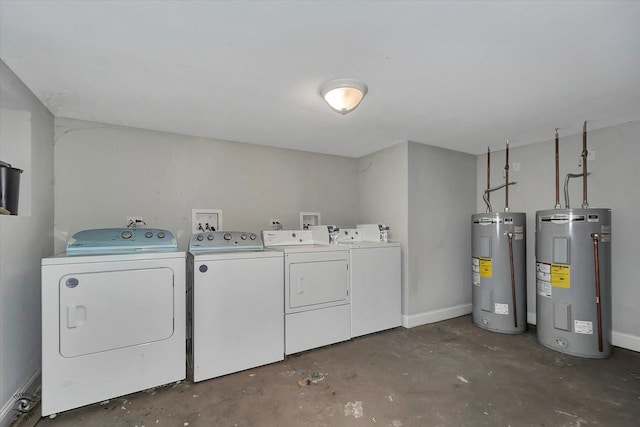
(126, 234)
(212, 241)
(161, 234)
(148, 234)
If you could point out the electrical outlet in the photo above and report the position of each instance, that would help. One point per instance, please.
(516, 166)
(135, 221)
(591, 154)
(275, 224)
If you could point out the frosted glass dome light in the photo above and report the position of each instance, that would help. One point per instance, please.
(343, 95)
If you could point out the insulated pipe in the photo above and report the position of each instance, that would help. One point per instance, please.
(558, 174)
(596, 262)
(566, 187)
(585, 153)
(506, 181)
(489, 190)
(513, 281)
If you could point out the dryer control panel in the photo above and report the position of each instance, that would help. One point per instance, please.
(290, 237)
(121, 240)
(225, 241)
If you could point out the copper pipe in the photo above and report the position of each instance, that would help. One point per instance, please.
(585, 153)
(596, 261)
(488, 172)
(513, 280)
(557, 172)
(506, 181)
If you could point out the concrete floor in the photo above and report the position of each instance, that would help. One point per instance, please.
(445, 374)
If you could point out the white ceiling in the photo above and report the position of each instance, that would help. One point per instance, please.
(460, 75)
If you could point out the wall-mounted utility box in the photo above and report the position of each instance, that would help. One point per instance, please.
(308, 219)
(206, 220)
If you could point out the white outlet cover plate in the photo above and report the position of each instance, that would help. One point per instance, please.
(211, 216)
(309, 219)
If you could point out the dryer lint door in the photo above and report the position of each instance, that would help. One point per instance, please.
(115, 309)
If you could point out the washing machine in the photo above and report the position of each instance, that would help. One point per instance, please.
(375, 275)
(235, 304)
(317, 303)
(113, 316)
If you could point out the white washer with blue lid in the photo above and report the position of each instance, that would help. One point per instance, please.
(113, 316)
(235, 298)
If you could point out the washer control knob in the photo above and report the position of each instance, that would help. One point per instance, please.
(148, 234)
(243, 237)
(200, 238)
(227, 236)
(161, 234)
(210, 237)
(126, 234)
(252, 237)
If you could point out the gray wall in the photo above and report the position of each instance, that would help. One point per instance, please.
(104, 173)
(441, 192)
(613, 184)
(383, 198)
(426, 195)
(24, 240)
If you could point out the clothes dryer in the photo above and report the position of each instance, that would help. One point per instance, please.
(235, 299)
(113, 316)
(316, 290)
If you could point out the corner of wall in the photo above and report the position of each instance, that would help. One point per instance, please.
(25, 239)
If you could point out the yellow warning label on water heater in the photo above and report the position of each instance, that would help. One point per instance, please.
(560, 276)
(485, 267)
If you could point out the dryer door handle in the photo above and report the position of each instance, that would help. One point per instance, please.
(301, 284)
(71, 316)
(76, 314)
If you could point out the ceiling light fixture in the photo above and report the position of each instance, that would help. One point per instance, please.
(343, 95)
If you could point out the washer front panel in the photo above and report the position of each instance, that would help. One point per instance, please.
(237, 309)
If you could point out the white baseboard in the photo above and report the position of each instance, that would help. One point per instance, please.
(531, 318)
(413, 320)
(7, 413)
(628, 341)
(618, 339)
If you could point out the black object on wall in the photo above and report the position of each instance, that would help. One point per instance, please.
(9, 188)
